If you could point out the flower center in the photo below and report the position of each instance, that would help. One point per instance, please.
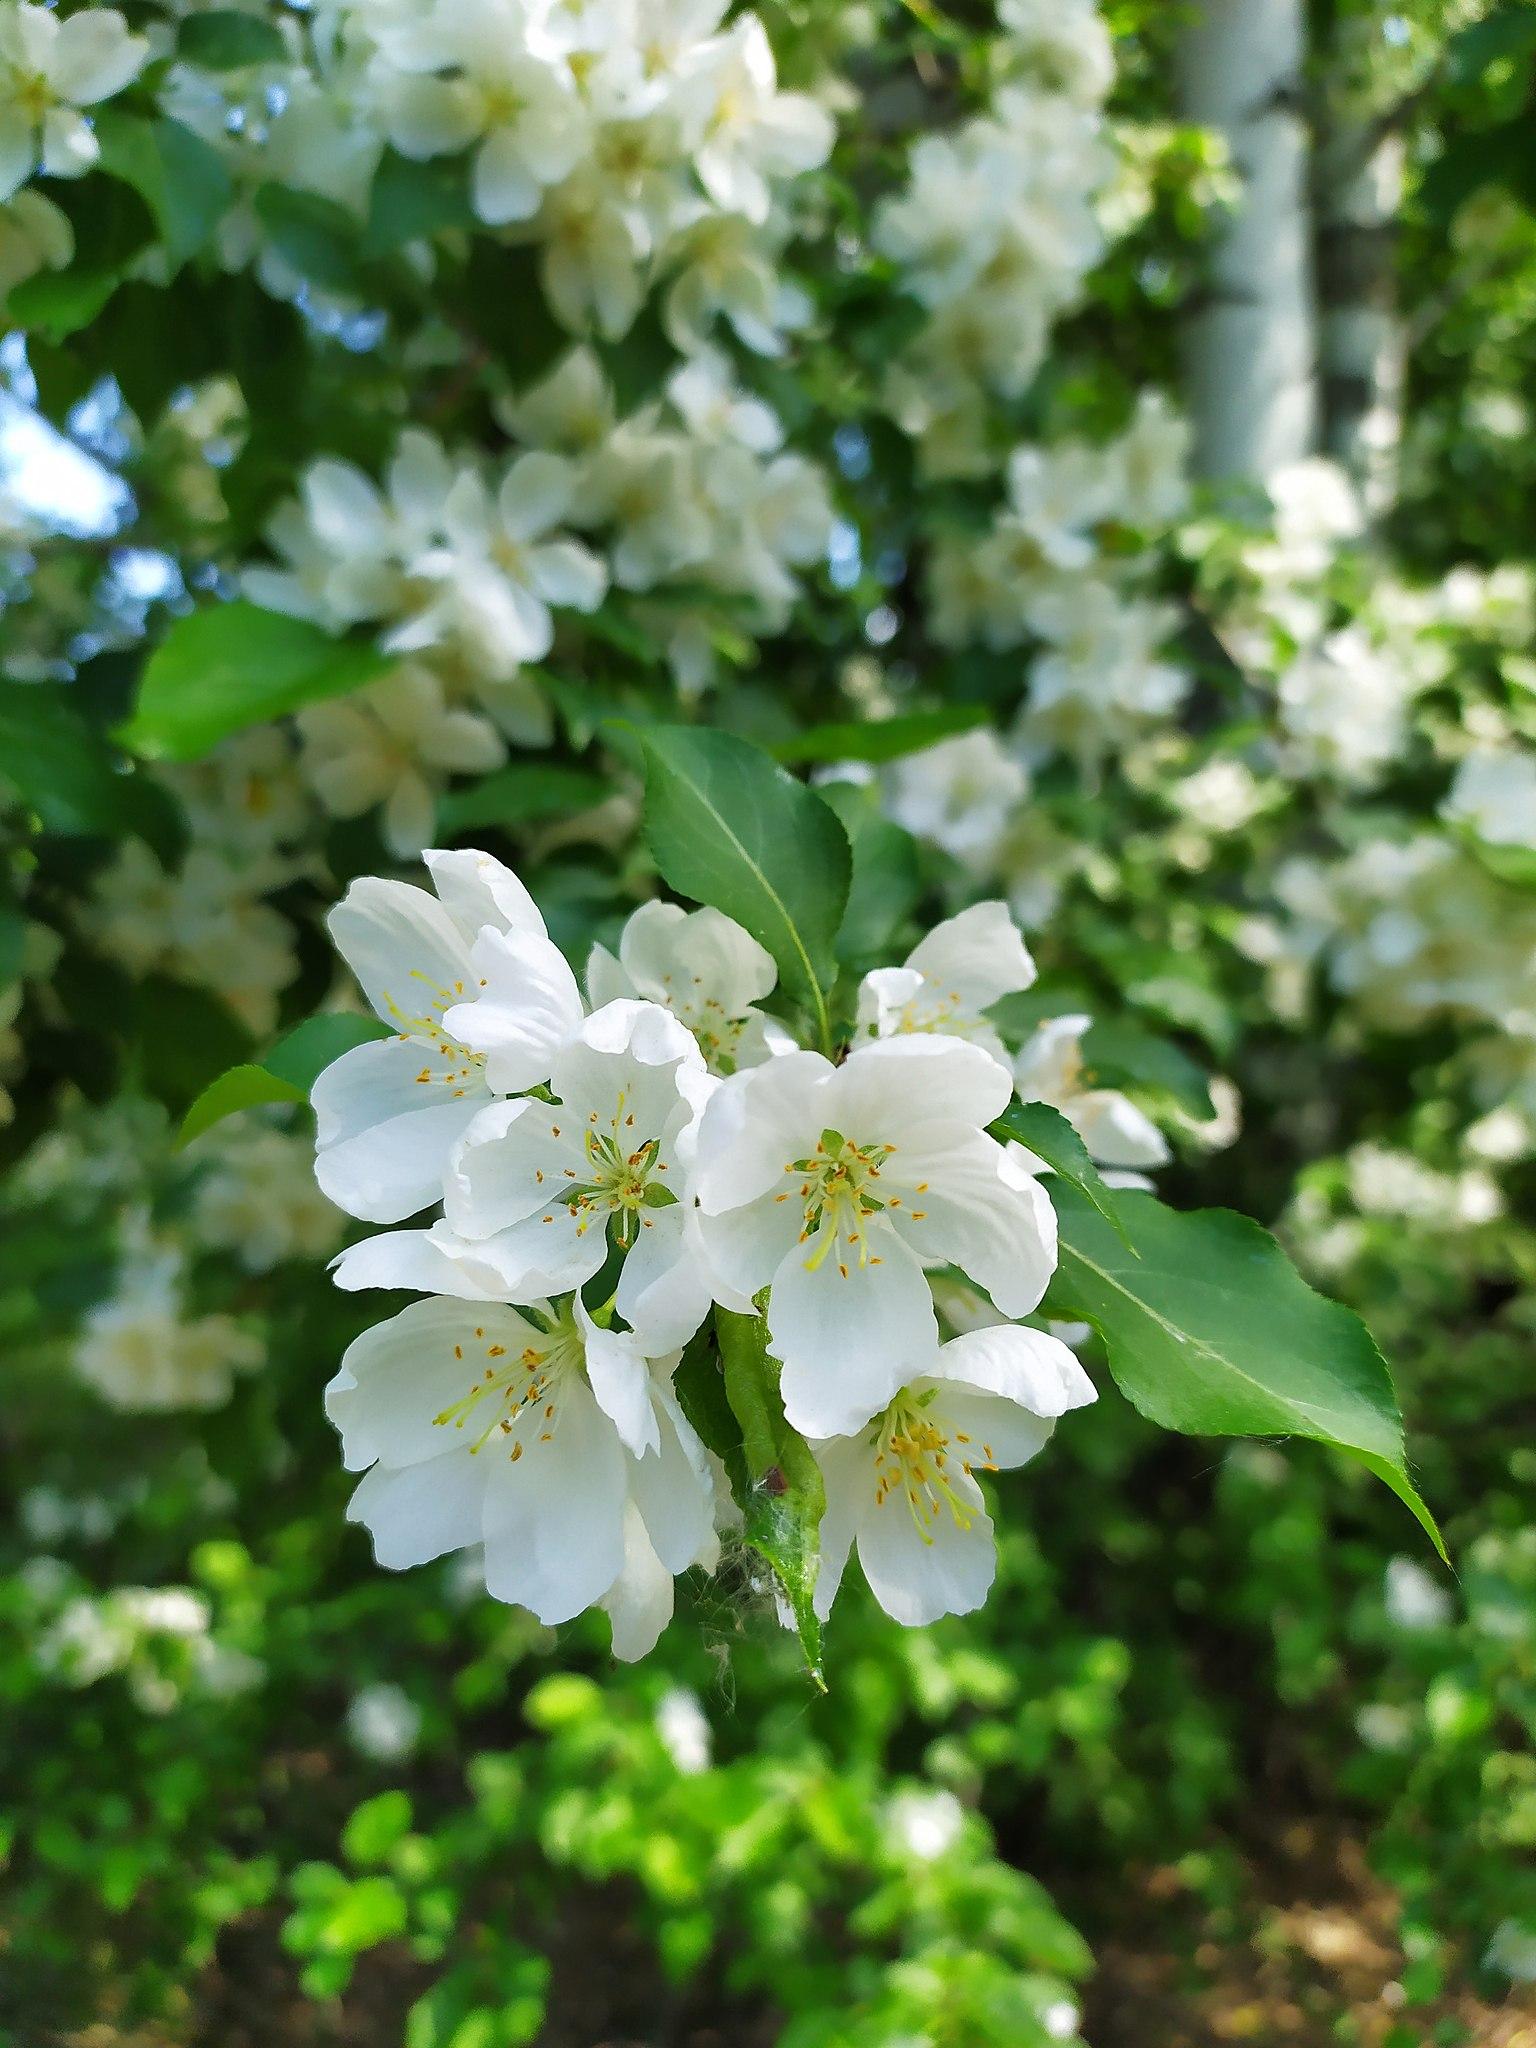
(619, 1172)
(839, 1191)
(916, 1459)
(514, 1396)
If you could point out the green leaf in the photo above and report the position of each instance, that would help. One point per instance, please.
(58, 303)
(13, 937)
(727, 826)
(886, 880)
(1120, 1054)
(1050, 1137)
(180, 178)
(1211, 1331)
(410, 201)
(785, 1497)
(242, 1087)
(62, 770)
(319, 238)
(225, 39)
(376, 1828)
(186, 1038)
(309, 1048)
(883, 739)
(520, 794)
(233, 665)
(287, 1074)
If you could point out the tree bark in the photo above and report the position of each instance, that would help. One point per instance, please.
(1251, 345)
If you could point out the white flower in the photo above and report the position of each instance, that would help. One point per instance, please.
(503, 566)
(387, 1114)
(904, 1489)
(1049, 1069)
(384, 1723)
(1066, 41)
(961, 794)
(49, 69)
(1413, 1599)
(530, 1433)
(1150, 486)
(140, 1356)
(1343, 708)
(1495, 795)
(34, 235)
(950, 978)
(706, 970)
(1058, 495)
(836, 1186)
(536, 1187)
(260, 1201)
(395, 744)
(752, 132)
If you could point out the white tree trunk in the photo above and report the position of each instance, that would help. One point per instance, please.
(1359, 192)
(1252, 345)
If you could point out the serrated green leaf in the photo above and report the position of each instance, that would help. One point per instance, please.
(882, 739)
(233, 665)
(784, 1497)
(242, 1087)
(727, 826)
(1051, 1138)
(1211, 1331)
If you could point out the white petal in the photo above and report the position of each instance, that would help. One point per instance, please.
(526, 1006)
(966, 1202)
(569, 576)
(383, 1134)
(504, 188)
(743, 1247)
(513, 1160)
(431, 1261)
(885, 1087)
(477, 890)
(621, 1383)
(94, 56)
(420, 1511)
(847, 1468)
(554, 1521)
(849, 1335)
(669, 952)
(405, 950)
(1115, 1131)
(674, 1491)
(606, 980)
(639, 1603)
(663, 1292)
(756, 1123)
(398, 1377)
(535, 494)
(979, 955)
(917, 1577)
(1029, 1367)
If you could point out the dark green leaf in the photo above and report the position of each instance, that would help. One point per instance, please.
(309, 1048)
(1050, 1137)
(60, 769)
(225, 39)
(883, 739)
(233, 665)
(242, 1087)
(886, 880)
(410, 201)
(319, 238)
(785, 1497)
(1210, 1330)
(186, 1039)
(1120, 1054)
(57, 303)
(178, 176)
(727, 826)
(521, 794)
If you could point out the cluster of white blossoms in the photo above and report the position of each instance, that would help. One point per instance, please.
(142, 1353)
(50, 70)
(616, 1164)
(1042, 574)
(630, 139)
(995, 232)
(1414, 927)
(207, 921)
(461, 569)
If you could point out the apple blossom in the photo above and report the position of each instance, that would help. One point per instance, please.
(950, 978)
(1049, 1069)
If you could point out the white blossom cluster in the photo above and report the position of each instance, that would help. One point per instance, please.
(158, 1639)
(206, 921)
(996, 230)
(1041, 575)
(142, 1352)
(50, 71)
(630, 139)
(615, 1163)
(461, 568)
